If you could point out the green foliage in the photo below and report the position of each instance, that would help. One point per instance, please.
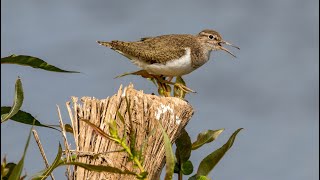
(49, 170)
(187, 167)
(183, 143)
(130, 150)
(32, 62)
(206, 137)
(6, 169)
(195, 177)
(170, 159)
(143, 147)
(124, 125)
(14, 113)
(142, 175)
(209, 162)
(101, 168)
(132, 136)
(17, 170)
(17, 103)
(10, 170)
(100, 131)
(62, 162)
(183, 153)
(178, 163)
(113, 130)
(68, 128)
(24, 117)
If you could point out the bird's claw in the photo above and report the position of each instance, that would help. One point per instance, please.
(184, 88)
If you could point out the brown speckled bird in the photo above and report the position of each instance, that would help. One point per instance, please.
(171, 55)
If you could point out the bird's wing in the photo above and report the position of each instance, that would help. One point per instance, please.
(148, 52)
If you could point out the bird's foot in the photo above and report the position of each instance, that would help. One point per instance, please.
(164, 88)
(184, 88)
(179, 84)
(180, 88)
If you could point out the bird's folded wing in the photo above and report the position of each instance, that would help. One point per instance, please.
(162, 55)
(148, 53)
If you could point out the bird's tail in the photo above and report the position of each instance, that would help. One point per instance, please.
(107, 44)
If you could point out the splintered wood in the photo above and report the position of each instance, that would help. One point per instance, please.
(146, 110)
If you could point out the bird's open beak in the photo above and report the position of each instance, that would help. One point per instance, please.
(225, 49)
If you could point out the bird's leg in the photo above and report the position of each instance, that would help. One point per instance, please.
(179, 85)
(167, 87)
(163, 88)
(170, 78)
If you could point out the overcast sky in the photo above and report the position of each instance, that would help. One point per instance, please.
(271, 90)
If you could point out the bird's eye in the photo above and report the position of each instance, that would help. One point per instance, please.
(210, 37)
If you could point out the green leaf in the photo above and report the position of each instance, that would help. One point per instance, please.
(24, 117)
(176, 168)
(133, 135)
(209, 162)
(206, 137)
(68, 128)
(203, 178)
(187, 167)
(183, 144)
(62, 162)
(100, 168)
(98, 130)
(170, 161)
(32, 62)
(195, 177)
(143, 146)
(7, 170)
(17, 103)
(124, 126)
(113, 130)
(142, 175)
(121, 118)
(17, 170)
(54, 165)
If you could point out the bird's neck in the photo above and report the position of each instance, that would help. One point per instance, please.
(206, 51)
(202, 57)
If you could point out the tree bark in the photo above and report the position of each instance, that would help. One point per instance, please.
(173, 113)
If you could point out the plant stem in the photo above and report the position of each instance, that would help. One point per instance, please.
(180, 175)
(135, 159)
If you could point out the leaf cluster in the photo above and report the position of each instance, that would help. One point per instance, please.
(13, 171)
(183, 166)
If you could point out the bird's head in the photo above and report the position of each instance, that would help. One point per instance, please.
(213, 40)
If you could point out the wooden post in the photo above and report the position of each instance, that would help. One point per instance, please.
(172, 113)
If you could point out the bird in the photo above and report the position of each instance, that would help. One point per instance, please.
(172, 55)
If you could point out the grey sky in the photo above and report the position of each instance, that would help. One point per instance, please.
(271, 90)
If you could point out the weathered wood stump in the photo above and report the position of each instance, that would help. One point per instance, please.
(146, 110)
